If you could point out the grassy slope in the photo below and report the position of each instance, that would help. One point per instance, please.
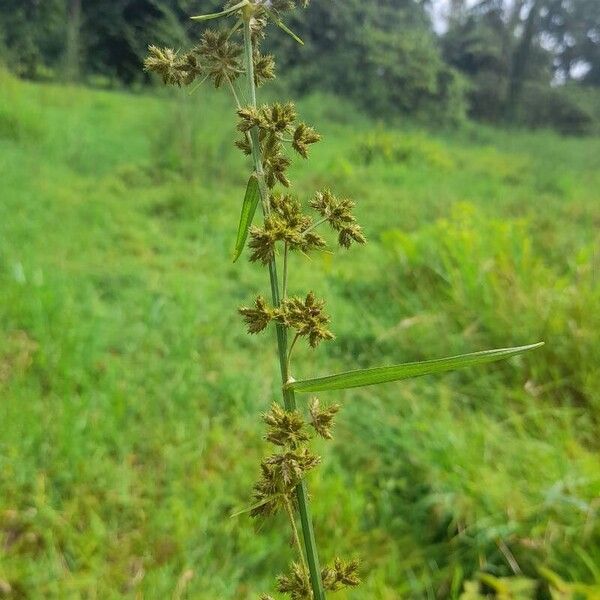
(130, 394)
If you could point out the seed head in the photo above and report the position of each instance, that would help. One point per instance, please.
(285, 428)
(351, 233)
(295, 583)
(264, 67)
(341, 575)
(275, 118)
(266, 494)
(297, 225)
(244, 145)
(263, 239)
(220, 56)
(286, 223)
(307, 317)
(257, 317)
(289, 210)
(275, 167)
(280, 117)
(303, 137)
(280, 474)
(339, 215)
(172, 68)
(289, 467)
(322, 418)
(249, 117)
(275, 122)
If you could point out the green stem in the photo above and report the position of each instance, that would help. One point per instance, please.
(233, 92)
(197, 85)
(285, 271)
(289, 356)
(290, 511)
(315, 225)
(289, 399)
(238, 104)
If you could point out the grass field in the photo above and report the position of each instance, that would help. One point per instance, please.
(130, 394)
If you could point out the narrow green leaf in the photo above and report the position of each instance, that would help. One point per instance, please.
(248, 509)
(365, 377)
(248, 209)
(197, 85)
(285, 28)
(223, 13)
(239, 23)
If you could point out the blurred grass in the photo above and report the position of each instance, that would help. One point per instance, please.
(130, 393)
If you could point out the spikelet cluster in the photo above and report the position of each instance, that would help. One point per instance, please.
(216, 57)
(285, 223)
(288, 224)
(322, 418)
(341, 575)
(281, 472)
(306, 316)
(173, 68)
(338, 214)
(285, 428)
(295, 583)
(277, 126)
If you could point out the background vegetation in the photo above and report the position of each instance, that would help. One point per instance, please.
(128, 437)
(530, 62)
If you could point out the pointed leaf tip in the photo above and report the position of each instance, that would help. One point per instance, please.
(373, 376)
(223, 13)
(285, 28)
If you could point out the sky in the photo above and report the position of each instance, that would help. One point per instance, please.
(439, 11)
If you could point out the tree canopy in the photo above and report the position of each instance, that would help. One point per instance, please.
(496, 58)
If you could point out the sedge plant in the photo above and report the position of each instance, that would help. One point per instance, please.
(231, 58)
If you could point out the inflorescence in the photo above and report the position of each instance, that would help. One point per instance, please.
(274, 491)
(267, 132)
(306, 316)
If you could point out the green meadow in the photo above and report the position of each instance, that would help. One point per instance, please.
(130, 394)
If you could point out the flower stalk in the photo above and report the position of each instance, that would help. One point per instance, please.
(310, 544)
(267, 131)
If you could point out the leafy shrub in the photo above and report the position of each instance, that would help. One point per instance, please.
(487, 95)
(384, 73)
(408, 149)
(547, 107)
(586, 98)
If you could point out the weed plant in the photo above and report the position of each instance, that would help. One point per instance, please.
(232, 58)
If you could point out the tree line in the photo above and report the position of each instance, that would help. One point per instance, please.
(534, 62)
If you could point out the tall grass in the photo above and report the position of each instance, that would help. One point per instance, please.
(118, 466)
